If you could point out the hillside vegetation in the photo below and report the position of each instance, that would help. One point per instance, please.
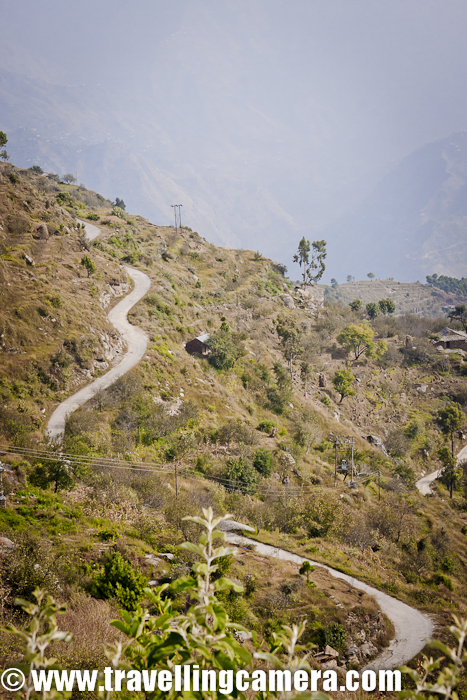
(247, 429)
(428, 300)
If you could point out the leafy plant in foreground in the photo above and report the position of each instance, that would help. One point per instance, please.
(204, 636)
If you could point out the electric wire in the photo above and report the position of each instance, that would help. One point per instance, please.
(144, 467)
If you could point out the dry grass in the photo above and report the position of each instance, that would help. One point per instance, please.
(88, 620)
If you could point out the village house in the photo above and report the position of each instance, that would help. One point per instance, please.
(198, 345)
(451, 340)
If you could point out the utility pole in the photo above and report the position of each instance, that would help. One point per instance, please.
(343, 445)
(178, 216)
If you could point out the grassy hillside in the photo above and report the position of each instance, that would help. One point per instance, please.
(247, 430)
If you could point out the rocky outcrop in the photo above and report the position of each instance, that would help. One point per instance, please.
(309, 297)
(41, 232)
(6, 545)
(288, 301)
(378, 443)
(363, 633)
(113, 291)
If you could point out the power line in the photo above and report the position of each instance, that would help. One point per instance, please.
(144, 467)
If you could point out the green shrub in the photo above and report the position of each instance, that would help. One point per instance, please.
(250, 584)
(332, 634)
(118, 211)
(131, 258)
(406, 473)
(448, 564)
(243, 476)
(226, 348)
(93, 217)
(119, 580)
(64, 198)
(55, 301)
(223, 566)
(154, 301)
(306, 569)
(262, 461)
(444, 580)
(89, 265)
(115, 240)
(107, 535)
(266, 426)
(323, 446)
(30, 565)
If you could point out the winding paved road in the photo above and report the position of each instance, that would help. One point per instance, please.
(134, 337)
(412, 627)
(423, 484)
(91, 231)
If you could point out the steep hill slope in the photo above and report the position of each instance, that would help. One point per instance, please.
(247, 429)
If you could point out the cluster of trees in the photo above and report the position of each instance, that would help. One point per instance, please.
(244, 472)
(452, 285)
(67, 178)
(373, 309)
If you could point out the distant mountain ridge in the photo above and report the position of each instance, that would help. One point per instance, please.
(415, 221)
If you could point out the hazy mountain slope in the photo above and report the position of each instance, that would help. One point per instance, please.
(415, 220)
(265, 123)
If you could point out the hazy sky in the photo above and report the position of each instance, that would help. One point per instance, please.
(270, 119)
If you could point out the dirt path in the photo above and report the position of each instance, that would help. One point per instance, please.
(412, 627)
(134, 337)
